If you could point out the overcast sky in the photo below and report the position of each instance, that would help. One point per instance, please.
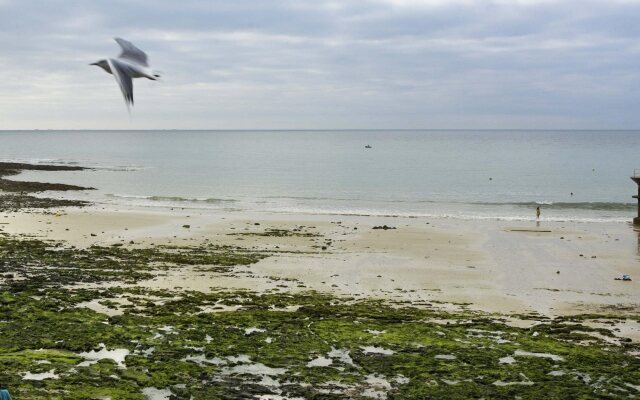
(260, 64)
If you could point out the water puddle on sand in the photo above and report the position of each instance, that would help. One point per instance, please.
(243, 365)
(102, 309)
(632, 386)
(249, 331)
(341, 355)
(256, 369)
(201, 360)
(146, 352)
(28, 376)
(541, 355)
(501, 383)
(218, 308)
(92, 357)
(526, 382)
(320, 362)
(334, 387)
(378, 387)
(556, 373)
(292, 308)
(376, 350)
(493, 335)
(152, 393)
(242, 358)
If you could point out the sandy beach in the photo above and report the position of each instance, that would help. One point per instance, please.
(549, 268)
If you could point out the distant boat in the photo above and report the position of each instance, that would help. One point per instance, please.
(367, 147)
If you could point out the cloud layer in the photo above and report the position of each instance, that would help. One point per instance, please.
(248, 64)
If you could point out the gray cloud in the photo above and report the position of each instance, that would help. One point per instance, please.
(325, 64)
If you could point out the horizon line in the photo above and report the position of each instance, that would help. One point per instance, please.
(320, 129)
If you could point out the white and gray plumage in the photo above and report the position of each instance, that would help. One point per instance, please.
(131, 63)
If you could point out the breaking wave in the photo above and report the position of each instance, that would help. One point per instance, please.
(603, 206)
(176, 199)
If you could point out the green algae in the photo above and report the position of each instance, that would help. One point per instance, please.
(37, 263)
(276, 232)
(19, 201)
(186, 342)
(177, 331)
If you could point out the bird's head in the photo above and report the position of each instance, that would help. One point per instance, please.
(102, 64)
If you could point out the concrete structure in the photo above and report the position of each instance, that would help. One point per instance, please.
(636, 179)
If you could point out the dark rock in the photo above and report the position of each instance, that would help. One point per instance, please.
(8, 169)
(384, 227)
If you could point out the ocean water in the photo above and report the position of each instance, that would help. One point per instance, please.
(456, 174)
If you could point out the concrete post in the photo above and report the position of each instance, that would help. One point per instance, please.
(636, 179)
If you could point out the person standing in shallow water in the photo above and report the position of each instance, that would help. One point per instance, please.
(537, 212)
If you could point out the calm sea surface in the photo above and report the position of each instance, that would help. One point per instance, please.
(458, 174)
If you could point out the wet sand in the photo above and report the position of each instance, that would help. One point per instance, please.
(502, 267)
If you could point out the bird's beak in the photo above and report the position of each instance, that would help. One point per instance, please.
(95, 63)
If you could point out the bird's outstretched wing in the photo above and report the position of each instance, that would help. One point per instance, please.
(131, 52)
(121, 73)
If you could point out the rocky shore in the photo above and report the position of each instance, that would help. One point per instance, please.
(14, 194)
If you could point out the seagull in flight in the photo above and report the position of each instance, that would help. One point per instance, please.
(131, 63)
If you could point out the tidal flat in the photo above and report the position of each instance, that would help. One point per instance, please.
(182, 344)
(122, 304)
